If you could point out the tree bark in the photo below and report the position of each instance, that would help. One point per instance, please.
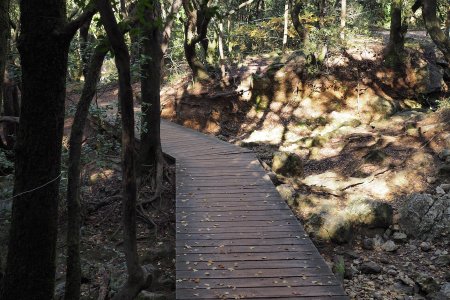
(4, 36)
(150, 155)
(296, 8)
(343, 18)
(432, 23)
(194, 32)
(137, 277)
(43, 47)
(395, 48)
(73, 276)
(447, 23)
(167, 31)
(286, 20)
(84, 43)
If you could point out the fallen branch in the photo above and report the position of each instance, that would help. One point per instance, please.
(9, 119)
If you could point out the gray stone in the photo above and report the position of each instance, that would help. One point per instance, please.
(389, 246)
(444, 154)
(368, 244)
(425, 217)
(399, 237)
(443, 260)
(145, 295)
(425, 246)
(287, 164)
(288, 193)
(370, 267)
(426, 283)
(371, 213)
(445, 187)
(445, 290)
(440, 191)
(445, 169)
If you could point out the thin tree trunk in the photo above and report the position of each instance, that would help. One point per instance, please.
(432, 23)
(73, 276)
(167, 31)
(297, 7)
(43, 48)
(447, 23)
(395, 47)
(137, 277)
(221, 52)
(151, 157)
(84, 49)
(4, 37)
(286, 20)
(343, 18)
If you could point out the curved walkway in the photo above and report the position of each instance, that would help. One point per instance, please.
(236, 238)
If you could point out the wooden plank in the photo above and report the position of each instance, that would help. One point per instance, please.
(246, 249)
(261, 292)
(249, 256)
(243, 242)
(257, 282)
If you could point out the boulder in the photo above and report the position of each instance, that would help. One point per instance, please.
(370, 213)
(389, 246)
(288, 193)
(425, 216)
(370, 268)
(287, 164)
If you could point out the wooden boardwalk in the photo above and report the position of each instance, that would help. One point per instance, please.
(236, 238)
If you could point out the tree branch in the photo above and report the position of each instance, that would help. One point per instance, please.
(8, 119)
(71, 28)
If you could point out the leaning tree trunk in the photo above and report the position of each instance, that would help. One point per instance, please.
(137, 276)
(296, 8)
(4, 36)
(191, 38)
(43, 47)
(432, 23)
(73, 275)
(395, 48)
(447, 22)
(84, 46)
(150, 155)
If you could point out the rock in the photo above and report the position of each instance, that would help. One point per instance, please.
(445, 187)
(370, 213)
(444, 154)
(445, 290)
(443, 260)
(425, 217)
(287, 164)
(288, 193)
(425, 246)
(145, 295)
(427, 284)
(399, 237)
(392, 272)
(274, 178)
(431, 180)
(368, 244)
(444, 170)
(389, 246)
(440, 191)
(370, 267)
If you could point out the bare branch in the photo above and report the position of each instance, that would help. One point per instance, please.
(71, 28)
(8, 119)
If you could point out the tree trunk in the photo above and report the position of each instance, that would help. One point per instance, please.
(297, 7)
(150, 155)
(84, 49)
(432, 23)
(167, 31)
(11, 107)
(191, 38)
(73, 276)
(4, 36)
(447, 23)
(286, 20)
(137, 277)
(43, 48)
(30, 267)
(343, 18)
(395, 47)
